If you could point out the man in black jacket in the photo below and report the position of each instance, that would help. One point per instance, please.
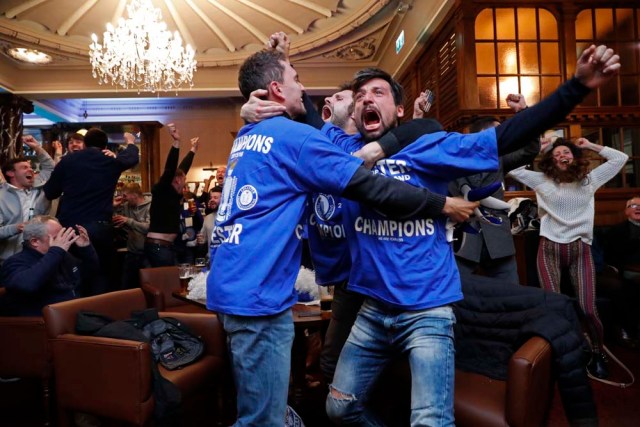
(88, 180)
(45, 272)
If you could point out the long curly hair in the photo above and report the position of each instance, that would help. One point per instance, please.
(576, 171)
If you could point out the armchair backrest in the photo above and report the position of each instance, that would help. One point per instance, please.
(25, 348)
(60, 318)
(164, 279)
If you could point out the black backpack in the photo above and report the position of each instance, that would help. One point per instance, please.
(173, 345)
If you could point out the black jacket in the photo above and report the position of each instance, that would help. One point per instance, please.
(495, 319)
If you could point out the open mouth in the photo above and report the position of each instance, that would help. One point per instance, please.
(564, 161)
(371, 119)
(29, 177)
(326, 113)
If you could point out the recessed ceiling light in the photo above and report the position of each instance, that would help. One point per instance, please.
(31, 56)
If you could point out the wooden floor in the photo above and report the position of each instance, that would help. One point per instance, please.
(617, 407)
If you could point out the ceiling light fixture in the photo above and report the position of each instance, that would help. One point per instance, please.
(31, 56)
(140, 53)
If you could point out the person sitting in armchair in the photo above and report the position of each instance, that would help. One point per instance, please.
(45, 272)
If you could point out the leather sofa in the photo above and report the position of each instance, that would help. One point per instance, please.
(112, 378)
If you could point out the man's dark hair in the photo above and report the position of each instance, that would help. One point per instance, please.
(216, 189)
(96, 138)
(10, 165)
(345, 86)
(481, 123)
(259, 70)
(363, 76)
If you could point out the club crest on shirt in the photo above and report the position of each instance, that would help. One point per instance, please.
(324, 206)
(247, 197)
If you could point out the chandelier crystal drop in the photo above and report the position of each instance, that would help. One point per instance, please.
(140, 53)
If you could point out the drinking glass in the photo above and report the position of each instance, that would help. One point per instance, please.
(185, 275)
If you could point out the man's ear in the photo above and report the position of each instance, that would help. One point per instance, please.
(400, 110)
(275, 91)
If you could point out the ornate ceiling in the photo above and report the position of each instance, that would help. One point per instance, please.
(331, 39)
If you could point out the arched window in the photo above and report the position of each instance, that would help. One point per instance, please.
(620, 30)
(517, 51)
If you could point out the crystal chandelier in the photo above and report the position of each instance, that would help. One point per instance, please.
(140, 53)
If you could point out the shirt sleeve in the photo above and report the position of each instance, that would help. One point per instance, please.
(529, 178)
(603, 173)
(129, 157)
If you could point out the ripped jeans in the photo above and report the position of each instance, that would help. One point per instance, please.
(379, 334)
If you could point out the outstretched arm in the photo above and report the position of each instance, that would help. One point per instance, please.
(596, 66)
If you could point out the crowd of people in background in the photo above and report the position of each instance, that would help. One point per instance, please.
(252, 222)
(89, 213)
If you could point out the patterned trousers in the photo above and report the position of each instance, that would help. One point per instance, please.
(576, 256)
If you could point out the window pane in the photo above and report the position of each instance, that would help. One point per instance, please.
(527, 24)
(580, 47)
(505, 24)
(529, 58)
(624, 24)
(628, 57)
(485, 58)
(530, 88)
(609, 93)
(549, 84)
(629, 90)
(507, 59)
(549, 58)
(487, 92)
(507, 85)
(604, 24)
(484, 25)
(584, 25)
(548, 25)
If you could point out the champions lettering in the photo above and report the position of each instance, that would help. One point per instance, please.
(390, 228)
(253, 142)
(327, 231)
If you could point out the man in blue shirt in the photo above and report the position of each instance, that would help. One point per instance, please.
(406, 269)
(256, 246)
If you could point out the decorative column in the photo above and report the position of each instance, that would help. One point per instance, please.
(11, 109)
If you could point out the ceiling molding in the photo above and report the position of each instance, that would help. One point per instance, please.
(330, 41)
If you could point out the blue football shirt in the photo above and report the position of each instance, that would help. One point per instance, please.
(256, 243)
(409, 264)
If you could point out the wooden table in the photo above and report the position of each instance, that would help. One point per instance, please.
(304, 316)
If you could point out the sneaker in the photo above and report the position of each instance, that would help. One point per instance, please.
(598, 365)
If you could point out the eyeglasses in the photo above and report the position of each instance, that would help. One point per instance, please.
(633, 206)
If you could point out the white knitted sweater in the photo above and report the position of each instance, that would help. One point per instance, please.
(566, 210)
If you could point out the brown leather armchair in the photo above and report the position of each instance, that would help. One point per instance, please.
(521, 401)
(158, 283)
(110, 377)
(479, 401)
(26, 353)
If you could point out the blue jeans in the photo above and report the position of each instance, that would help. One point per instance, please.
(381, 333)
(260, 351)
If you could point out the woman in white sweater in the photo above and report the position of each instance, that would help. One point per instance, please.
(565, 193)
